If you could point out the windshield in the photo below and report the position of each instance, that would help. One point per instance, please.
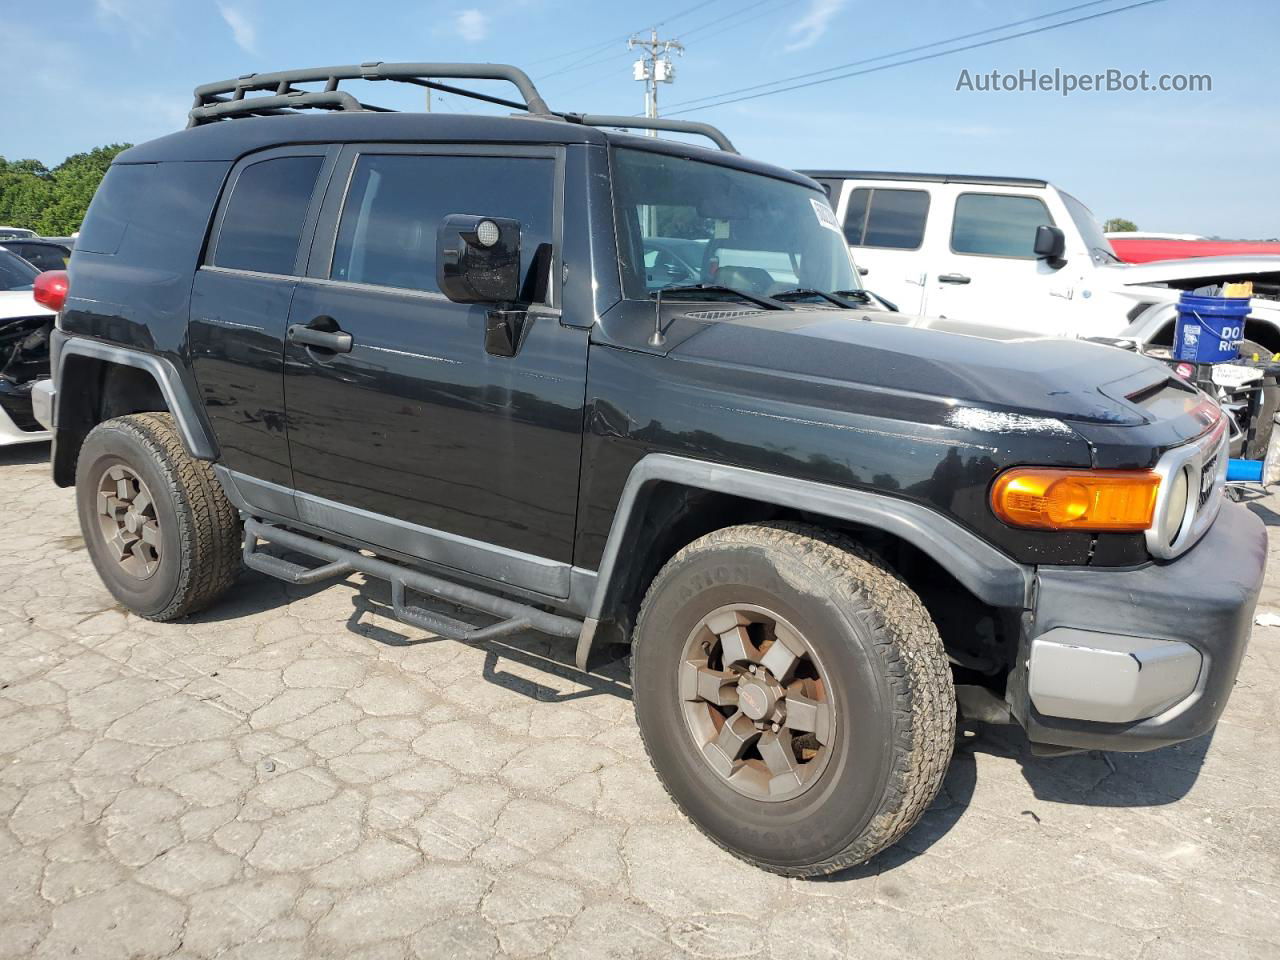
(1097, 242)
(682, 222)
(15, 273)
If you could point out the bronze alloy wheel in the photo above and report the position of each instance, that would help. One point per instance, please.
(127, 519)
(756, 702)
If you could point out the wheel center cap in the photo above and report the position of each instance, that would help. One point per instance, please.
(755, 699)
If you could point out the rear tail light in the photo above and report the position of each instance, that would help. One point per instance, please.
(50, 289)
(1042, 498)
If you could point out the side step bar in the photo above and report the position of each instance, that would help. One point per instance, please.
(513, 616)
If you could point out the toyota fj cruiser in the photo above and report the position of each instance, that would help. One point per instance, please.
(617, 388)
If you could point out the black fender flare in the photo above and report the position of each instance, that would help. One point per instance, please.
(991, 575)
(195, 432)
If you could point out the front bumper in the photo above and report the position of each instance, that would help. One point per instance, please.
(1141, 658)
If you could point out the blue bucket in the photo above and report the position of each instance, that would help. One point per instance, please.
(1209, 329)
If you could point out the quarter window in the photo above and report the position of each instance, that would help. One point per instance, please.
(886, 218)
(263, 221)
(397, 201)
(998, 225)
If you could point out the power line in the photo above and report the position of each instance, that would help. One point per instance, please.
(920, 59)
(895, 53)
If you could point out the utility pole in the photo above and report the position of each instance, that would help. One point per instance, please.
(654, 67)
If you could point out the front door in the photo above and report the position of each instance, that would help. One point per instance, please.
(408, 434)
(989, 273)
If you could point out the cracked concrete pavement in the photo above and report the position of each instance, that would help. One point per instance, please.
(293, 774)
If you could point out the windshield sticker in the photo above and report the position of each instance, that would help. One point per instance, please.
(826, 216)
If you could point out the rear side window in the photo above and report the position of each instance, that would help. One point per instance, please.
(998, 225)
(122, 191)
(396, 202)
(886, 218)
(263, 220)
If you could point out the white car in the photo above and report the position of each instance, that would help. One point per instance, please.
(24, 350)
(1022, 254)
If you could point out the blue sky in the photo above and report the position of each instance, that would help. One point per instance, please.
(87, 72)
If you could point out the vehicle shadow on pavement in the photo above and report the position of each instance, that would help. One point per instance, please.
(1093, 778)
(534, 651)
(25, 454)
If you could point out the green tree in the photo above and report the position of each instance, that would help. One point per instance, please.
(52, 202)
(1119, 225)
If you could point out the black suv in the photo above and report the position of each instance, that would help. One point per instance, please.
(623, 389)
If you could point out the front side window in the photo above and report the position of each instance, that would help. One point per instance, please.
(998, 225)
(681, 222)
(263, 222)
(396, 203)
(876, 217)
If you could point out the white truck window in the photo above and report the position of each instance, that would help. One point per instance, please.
(998, 225)
(886, 218)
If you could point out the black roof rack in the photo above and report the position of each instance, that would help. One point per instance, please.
(216, 101)
(275, 94)
(924, 177)
(657, 123)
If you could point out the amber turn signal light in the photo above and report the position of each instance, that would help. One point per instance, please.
(1044, 498)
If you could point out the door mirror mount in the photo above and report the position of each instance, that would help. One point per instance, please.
(1050, 244)
(478, 259)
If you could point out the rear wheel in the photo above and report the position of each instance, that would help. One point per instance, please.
(793, 695)
(161, 533)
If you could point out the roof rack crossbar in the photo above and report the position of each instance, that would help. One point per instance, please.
(713, 134)
(209, 97)
(273, 105)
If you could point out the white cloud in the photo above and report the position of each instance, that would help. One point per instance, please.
(242, 28)
(472, 25)
(810, 28)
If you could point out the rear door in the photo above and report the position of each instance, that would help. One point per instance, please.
(415, 438)
(240, 307)
(885, 226)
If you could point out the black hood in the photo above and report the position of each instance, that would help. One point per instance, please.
(964, 364)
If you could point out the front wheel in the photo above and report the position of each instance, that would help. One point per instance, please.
(160, 531)
(793, 695)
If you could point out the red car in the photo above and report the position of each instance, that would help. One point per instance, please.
(1144, 249)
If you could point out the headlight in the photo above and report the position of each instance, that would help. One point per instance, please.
(1175, 510)
(1048, 498)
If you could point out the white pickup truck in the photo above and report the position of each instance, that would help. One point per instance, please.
(1022, 254)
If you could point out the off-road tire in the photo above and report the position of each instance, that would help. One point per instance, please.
(894, 697)
(200, 531)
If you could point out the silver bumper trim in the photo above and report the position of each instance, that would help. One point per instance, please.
(42, 397)
(1084, 675)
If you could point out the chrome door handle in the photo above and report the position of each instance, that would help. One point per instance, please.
(337, 341)
(958, 278)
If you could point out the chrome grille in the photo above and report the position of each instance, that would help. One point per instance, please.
(1205, 460)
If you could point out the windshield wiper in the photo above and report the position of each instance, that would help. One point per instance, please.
(721, 289)
(840, 298)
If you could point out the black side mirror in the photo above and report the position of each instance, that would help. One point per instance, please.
(1051, 243)
(478, 259)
